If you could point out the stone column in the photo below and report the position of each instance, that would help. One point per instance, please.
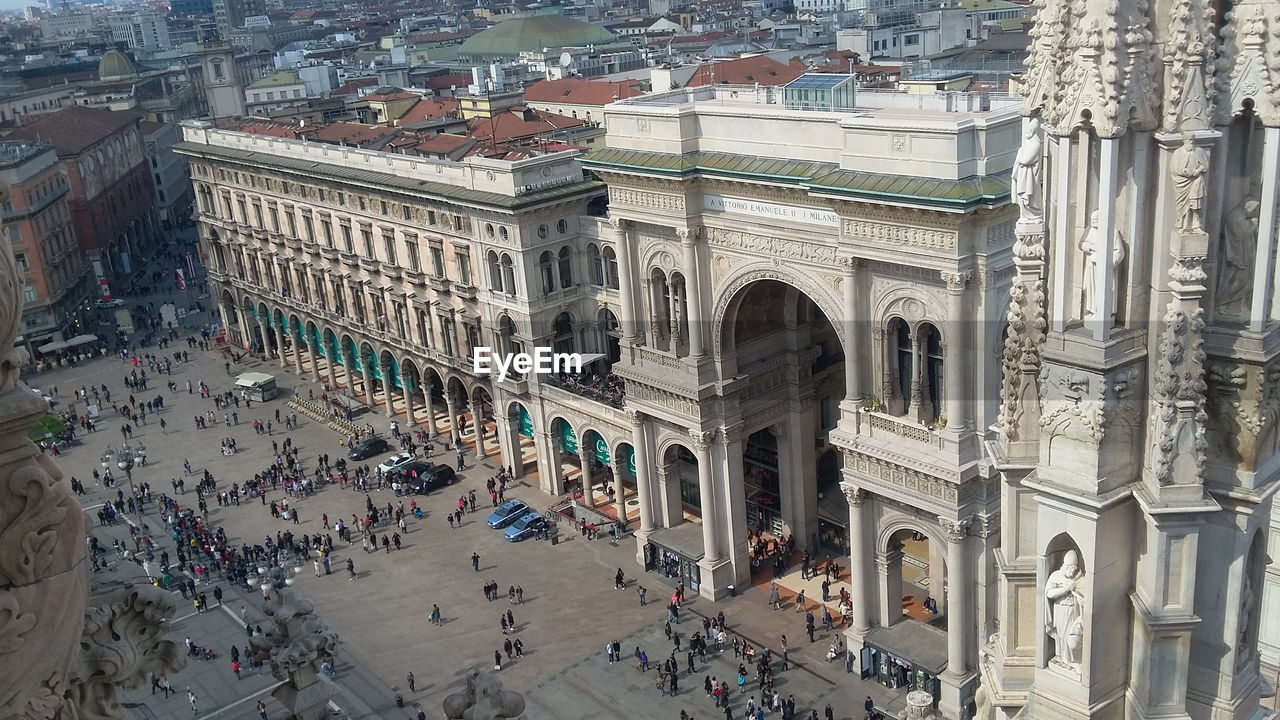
(452, 409)
(431, 408)
(1265, 272)
(242, 329)
(313, 347)
(554, 476)
(853, 390)
(1059, 207)
(958, 586)
(408, 400)
(917, 378)
(954, 352)
(859, 551)
(889, 585)
(693, 293)
(515, 455)
(331, 361)
(584, 462)
(297, 355)
(644, 492)
(386, 388)
(706, 496)
(1104, 281)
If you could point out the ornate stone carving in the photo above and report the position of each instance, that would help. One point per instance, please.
(1248, 66)
(483, 699)
(295, 646)
(1094, 63)
(1064, 612)
(1239, 240)
(1025, 181)
(855, 495)
(642, 198)
(123, 642)
(1178, 393)
(1189, 61)
(897, 234)
(787, 248)
(955, 281)
(662, 398)
(701, 439)
(955, 530)
(1019, 394)
(1092, 244)
(909, 479)
(1188, 167)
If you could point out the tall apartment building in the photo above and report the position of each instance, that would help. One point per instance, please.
(67, 26)
(37, 222)
(230, 14)
(147, 32)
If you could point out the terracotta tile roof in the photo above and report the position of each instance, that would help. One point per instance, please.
(443, 144)
(303, 15)
(74, 128)
(704, 40)
(746, 71)
(509, 126)
(576, 91)
(444, 82)
(267, 127)
(429, 109)
(388, 97)
(353, 87)
(345, 133)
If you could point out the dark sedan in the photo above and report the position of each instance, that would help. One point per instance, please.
(526, 526)
(368, 449)
(422, 478)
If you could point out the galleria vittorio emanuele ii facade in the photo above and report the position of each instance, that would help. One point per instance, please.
(1019, 350)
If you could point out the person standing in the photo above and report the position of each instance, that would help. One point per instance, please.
(775, 601)
(475, 561)
(351, 569)
(497, 659)
(262, 710)
(409, 680)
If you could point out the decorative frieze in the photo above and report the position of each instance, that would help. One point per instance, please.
(913, 481)
(662, 398)
(766, 244)
(897, 234)
(642, 198)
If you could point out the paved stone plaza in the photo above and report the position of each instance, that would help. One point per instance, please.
(570, 611)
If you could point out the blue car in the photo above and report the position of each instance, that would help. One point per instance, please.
(526, 526)
(507, 513)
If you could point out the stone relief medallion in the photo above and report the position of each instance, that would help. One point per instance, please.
(913, 309)
(722, 264)
(665, 261)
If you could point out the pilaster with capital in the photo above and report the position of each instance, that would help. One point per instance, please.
(860, 549)
(959, 582)
(693, 287)
(853, 390)
(632, 308)
(953, 367)
(701, 441)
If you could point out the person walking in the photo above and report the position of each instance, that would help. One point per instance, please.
(775, 601)
(641, 591)
(409, 680)
(475, 561)
(191, 698)
(262, 710)
(435, 615)
(351, 569)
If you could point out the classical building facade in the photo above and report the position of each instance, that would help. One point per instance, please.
(809, 343)
(1137, 435)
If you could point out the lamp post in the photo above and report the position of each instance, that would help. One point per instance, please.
(125, 458)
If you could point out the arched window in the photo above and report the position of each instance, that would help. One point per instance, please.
(597, 268)
(507, 334)
(566, 267)
(508, 275)
(906, 367)
(610, 268)
(495, 272)
(562, 333)
(545, 263)
(932, 345)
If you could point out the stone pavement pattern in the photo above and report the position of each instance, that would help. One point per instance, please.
(570, 611)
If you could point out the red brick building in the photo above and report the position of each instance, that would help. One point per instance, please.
(111, 198)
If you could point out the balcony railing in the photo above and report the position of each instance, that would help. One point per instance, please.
(609, 391)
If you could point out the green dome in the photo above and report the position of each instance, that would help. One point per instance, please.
(511, 37)
(115, 65)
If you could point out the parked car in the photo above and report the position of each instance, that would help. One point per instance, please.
(395, 462)
(526, 526)
(368, 449)
(115, 303)
(507, 513)
(422, 478)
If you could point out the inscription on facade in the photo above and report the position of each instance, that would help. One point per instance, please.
(776, 211)
(900, 234)
(778, 247)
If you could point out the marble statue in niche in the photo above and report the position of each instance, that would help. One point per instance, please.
(1091, 245)
(1064, 612)
(1026, 172)
(1188, 166)
(1239, 238)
